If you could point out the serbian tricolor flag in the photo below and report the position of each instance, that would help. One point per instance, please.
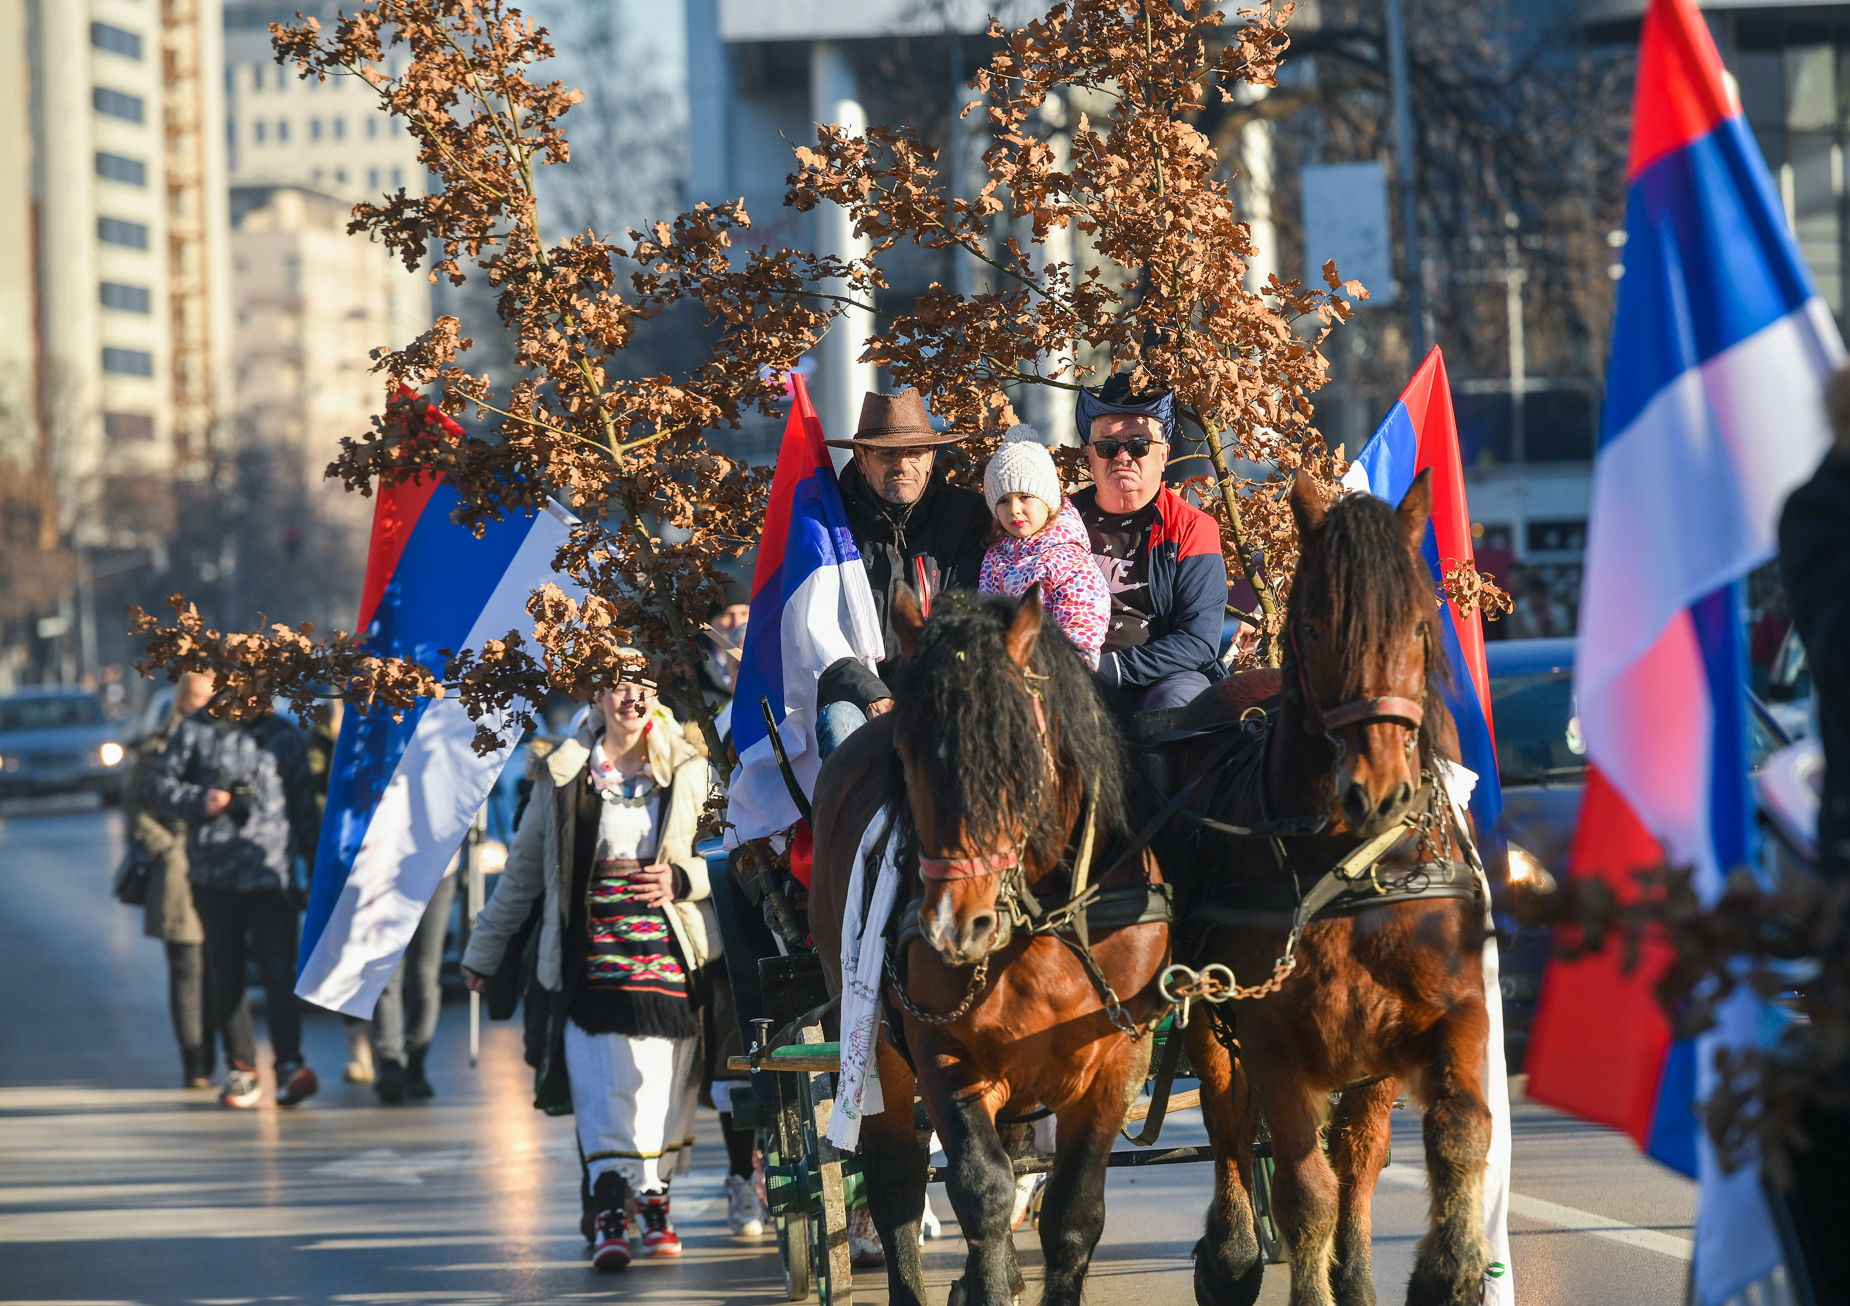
(811, 607)
(1714, 412)
(1420, 434)
(402, 793)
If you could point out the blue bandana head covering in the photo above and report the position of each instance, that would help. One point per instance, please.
(1115, 397)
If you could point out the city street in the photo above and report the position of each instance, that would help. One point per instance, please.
(116, 1186)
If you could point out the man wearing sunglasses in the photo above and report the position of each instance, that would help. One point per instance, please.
(1160, 555)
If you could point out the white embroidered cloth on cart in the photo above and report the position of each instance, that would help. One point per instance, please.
(857, 1092)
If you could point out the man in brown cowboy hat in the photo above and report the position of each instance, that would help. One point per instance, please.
(912, 529)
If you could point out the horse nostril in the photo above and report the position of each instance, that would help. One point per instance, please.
(1402, 795)
(1356, 807)
(981, 927)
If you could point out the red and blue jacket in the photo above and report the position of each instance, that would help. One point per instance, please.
(1188, 592)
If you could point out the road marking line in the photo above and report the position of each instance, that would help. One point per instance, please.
(1573, 1220)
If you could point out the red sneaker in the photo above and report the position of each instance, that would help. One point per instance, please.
(295, 1081)
(611, 1240)
(658, 1235)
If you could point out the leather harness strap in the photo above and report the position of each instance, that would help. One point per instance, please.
(1389, 708)
(967, 868)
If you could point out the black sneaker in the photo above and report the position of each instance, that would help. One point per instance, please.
(418, 1088)
(389, 1081)
(243, 1090)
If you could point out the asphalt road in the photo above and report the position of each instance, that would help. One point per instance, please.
(117, 1187)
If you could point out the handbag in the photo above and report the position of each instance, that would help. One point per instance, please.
(131, 886)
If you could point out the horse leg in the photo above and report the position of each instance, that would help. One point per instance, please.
(1228, 1263)
(1304, 1188)
(1358, 1149)
(1449, 1269)
(1073, 1210)
(896, 1170)
(981, 1186)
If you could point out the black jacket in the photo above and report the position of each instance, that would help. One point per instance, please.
(1814, 563)
(269, 755)
(935, 544)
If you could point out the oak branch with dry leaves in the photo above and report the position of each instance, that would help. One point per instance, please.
(662, 507)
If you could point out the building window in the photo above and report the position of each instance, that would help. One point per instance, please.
(314, 129)
(116, 40)
(114, 231)
(340, 175)
(116, 104)
(130, 299)
(372, 129)
(128, 426)
(292, 274)
(372, 179)
(256, 77)
(282, 129)
(340, 129)
(128, 362)
(130, 172)
(257, 131)
(398, 177)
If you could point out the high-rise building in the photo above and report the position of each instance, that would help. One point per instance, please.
(331, 137)
(114, 333)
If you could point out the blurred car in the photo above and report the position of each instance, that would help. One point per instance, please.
(57, 740)
(1788, 688)
(1542, 767)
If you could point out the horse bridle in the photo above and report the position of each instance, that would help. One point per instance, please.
(1406, 712)
(997, 863)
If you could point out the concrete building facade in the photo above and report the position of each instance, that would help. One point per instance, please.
(113, 356)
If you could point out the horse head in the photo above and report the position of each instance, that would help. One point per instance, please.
(998, 730)
(1362, 646)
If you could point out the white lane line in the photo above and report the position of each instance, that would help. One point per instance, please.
(1572, 1219)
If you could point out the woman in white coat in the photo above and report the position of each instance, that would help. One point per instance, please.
(608, 840)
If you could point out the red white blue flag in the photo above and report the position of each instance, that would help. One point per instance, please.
(1420, 434)
(403, 788)
(1714, 412)
(811, 607)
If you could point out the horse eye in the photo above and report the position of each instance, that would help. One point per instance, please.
(1313, 634)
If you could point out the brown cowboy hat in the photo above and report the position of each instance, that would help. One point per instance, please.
(895, 421)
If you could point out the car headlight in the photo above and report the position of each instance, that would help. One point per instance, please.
(110, 753)
(494, 856)
(1527, 871)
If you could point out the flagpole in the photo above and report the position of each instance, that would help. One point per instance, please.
(472, 907)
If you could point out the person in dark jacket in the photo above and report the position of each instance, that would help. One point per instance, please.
(1814, 566)
(911, 528)
(1160, 555)
(245, 794)
(167, 913)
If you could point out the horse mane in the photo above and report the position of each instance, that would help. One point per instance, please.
(979, 743)
(1363, 586)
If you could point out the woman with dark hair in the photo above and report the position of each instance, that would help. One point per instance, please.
(608, 842)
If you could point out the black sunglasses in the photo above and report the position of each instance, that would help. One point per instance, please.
(1108, 449)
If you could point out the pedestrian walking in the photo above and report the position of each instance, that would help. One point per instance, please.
(405, 1018)
(167, 911)
(243, 791)
(607, 844)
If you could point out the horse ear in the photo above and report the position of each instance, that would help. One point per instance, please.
(1307, 506)
(1415, 508)
(907, 619)
(1025, 627)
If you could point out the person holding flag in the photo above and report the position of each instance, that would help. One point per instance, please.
(1714, 413)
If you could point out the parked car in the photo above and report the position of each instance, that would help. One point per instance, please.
(57, 740)
(1541, 767)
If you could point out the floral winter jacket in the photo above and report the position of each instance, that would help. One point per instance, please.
(1060, 558)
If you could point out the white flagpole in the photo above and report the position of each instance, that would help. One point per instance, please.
(472, 907)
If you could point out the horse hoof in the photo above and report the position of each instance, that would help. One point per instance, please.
(1215, 1284)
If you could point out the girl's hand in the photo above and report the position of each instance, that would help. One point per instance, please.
(654, 884)
(473, 982)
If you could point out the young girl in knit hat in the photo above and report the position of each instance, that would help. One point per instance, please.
(1043, 540)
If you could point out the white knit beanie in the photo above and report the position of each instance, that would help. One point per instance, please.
(1022, 466)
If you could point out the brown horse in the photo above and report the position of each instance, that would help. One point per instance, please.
(997, 749)
(1382, 997)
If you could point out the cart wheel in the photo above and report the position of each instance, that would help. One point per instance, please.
(1265, 1218)
(828, 1228)
(793, 1236)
